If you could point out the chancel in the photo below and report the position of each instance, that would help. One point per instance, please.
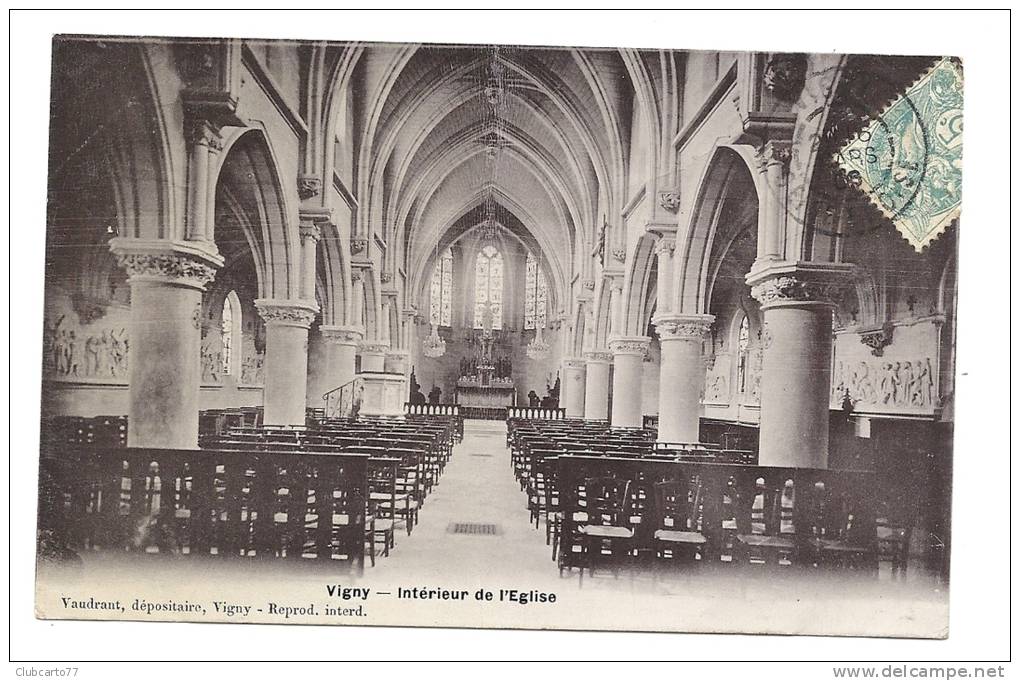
(425, 311)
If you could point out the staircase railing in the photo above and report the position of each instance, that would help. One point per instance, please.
(343, 402)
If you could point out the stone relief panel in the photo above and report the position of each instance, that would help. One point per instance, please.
(74, 349)
(717, 380)
(904, 379)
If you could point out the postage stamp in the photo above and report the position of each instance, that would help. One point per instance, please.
(909, 159)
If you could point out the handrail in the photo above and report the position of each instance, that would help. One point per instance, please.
(343, 402)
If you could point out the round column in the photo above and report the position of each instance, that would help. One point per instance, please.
(628, 354)
(573, 386)
(681, 375)
(797, 353)
(166, 281)
(596, 385)
(373, 357)
(341, 350)
(286, 364)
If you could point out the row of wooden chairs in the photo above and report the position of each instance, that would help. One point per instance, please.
(406, 459)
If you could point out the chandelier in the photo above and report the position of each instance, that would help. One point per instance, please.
(538, 348)
(433, 345)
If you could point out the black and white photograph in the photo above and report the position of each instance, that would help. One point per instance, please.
(492, 335)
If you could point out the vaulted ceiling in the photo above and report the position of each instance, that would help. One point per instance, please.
(531, 138)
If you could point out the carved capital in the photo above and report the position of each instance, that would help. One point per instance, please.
(358, 245)
(635, 345)
(573, 363)
(386, 277)
(665, 246)
(342, 335)
(309, 186)
(310, 230)
(598, 356)
(683, 327)
(168, 262)
(373, 348)
(878, 339)
(670, 201)
(589, 284)
(620, 254)
(788, 289)
(203, 133)
(774, 153)
(799, 284)
(286, 312)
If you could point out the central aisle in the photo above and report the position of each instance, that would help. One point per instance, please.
(478, 487)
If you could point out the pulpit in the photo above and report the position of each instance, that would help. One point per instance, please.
(382, 394)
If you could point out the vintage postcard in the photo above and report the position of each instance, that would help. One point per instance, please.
(498, 336)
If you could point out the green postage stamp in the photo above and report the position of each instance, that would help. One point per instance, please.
(909, 159)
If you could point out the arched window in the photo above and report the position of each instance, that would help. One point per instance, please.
(489, 287)
(743, 343)
(229, 330)
(534, 295)
(442, 290)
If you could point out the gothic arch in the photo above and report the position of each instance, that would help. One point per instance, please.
(248, 170)
(693, 257)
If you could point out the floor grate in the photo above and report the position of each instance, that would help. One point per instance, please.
(485, 529)
(484, 456)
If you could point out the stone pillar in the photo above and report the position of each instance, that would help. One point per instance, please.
(573, 387)
(628, 354)
(286, 363)
(681, 375)
(796, 303)
(310, 236)
(596, 385)
(373, 356)
(773, 159)
(204, 142)
(341, 349)
(167, 280)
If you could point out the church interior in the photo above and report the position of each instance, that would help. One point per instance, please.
(423, 309)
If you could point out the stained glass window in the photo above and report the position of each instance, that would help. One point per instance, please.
(489, 287)
(442, 290)
(743, 342)
(227, 332)
(534, 295)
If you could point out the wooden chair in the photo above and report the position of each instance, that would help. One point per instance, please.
(608, 530)
(677, 521)
(760, 539)
(382, 488)
(841, 534)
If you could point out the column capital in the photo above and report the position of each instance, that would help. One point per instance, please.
(203, 133)
(683, 326)
(602, 356)
(342, 335)
(180, 263)
(397, 353)
(629, 345)
(665, 245)
(310, 231)
(573, 363)
(801, 284)
(287, 312)
(774, 152)
(373, 348)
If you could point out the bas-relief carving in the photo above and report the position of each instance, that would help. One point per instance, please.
(72, 350)
(902, 385)
(904, 379)
(717, 380)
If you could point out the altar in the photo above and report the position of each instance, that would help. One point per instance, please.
(471, 392)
